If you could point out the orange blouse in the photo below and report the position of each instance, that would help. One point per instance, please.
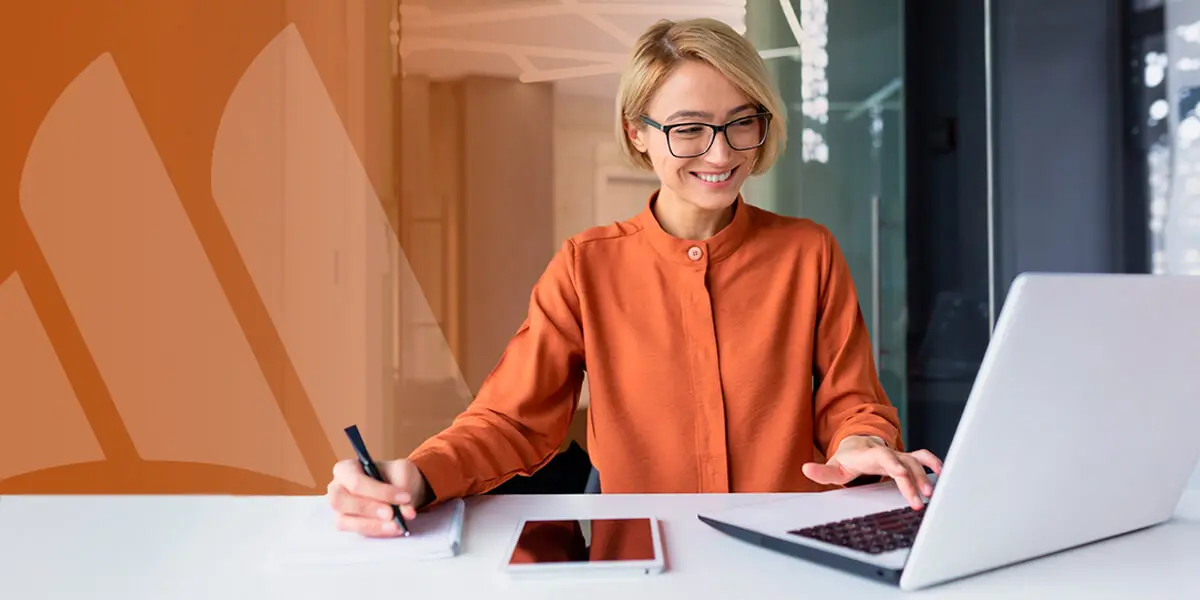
(701, 359)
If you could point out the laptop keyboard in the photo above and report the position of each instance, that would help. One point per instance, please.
(874, 534)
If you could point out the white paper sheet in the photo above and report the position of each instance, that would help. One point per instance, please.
(316, 540)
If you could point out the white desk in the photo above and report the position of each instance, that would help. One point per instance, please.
(176, 548)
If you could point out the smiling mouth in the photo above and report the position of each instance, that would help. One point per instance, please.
(715, 177)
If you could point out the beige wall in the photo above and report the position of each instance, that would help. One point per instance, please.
(508, 224)
(581, 125)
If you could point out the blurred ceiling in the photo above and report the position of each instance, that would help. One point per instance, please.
(578, 44)
(581, 45)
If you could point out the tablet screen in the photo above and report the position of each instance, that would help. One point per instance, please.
(584, 541)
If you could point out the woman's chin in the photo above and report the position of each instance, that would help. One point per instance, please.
(705, 196)
(709, 199)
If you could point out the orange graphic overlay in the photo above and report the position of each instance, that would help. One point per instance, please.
(41, 377)
(194, 254)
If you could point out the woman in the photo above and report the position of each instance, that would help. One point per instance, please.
(704, 324)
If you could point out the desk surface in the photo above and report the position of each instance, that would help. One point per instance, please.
(189, 547)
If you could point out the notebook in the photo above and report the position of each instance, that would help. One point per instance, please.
(316, 540)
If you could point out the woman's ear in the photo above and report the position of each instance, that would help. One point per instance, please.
(635, 136)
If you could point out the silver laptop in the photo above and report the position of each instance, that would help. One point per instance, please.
(1080, 427)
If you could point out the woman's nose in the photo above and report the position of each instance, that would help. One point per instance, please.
(720, 151)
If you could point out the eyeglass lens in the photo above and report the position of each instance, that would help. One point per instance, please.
(695, 139)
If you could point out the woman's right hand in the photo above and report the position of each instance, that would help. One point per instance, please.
(364, 505)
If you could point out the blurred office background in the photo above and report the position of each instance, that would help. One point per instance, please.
(950, 145)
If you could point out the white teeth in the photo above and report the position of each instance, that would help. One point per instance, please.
(715, 178)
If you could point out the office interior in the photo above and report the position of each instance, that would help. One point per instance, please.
(949, 145)
(944, 164)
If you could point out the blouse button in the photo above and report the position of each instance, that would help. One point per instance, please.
(695, 253)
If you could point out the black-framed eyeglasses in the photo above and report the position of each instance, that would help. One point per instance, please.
(689, 140)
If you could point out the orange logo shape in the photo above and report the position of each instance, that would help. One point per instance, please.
(189, 389)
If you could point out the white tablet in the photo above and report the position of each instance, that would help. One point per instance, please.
(604, 547)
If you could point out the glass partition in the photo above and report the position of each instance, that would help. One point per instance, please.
(1170, 83)
(844, 167)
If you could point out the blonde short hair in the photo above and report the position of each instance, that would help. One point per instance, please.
(668, 43)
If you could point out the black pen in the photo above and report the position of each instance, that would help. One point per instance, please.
(370, 469)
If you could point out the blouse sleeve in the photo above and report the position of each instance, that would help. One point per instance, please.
(524, 407)
(849, 399)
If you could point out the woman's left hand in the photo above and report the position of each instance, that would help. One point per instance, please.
(868, 455)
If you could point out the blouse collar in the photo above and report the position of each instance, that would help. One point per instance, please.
(696, 252)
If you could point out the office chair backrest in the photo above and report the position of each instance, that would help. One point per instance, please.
(567, 473)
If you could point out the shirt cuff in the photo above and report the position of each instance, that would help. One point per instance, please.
(443, 476)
